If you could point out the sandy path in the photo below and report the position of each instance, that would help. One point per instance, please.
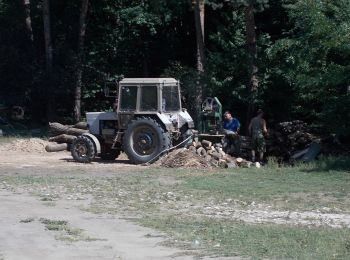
(113, 238)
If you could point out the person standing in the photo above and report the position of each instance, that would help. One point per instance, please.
(257, 130)
(231, 126)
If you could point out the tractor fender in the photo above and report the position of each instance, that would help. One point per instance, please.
(184, 117)
(165, 121)
(95, 141)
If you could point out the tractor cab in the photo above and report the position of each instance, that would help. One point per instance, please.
(148, 96)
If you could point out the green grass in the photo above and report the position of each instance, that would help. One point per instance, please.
(54, 225)
(229, 238)
(65, 232)
(306, 187)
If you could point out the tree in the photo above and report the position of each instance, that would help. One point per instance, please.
(79, 59)
(28, 21)
(251, 45)
(199, 14)
(47, 36)
(50, 99)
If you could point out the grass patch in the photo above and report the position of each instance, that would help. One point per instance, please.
(228, 238)
(54, 225)
(302, 188)
(66, 233)
(27, 220)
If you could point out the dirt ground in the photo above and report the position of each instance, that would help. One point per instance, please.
(26, 234)
(97, 236)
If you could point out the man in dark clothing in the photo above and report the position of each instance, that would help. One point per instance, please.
(257, 130)
(232, 141)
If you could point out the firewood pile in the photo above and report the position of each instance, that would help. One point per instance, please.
(63, 135)
(203, 154)
(288, 138)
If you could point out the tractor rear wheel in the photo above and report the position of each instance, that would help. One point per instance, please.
(144, 140)
(83, 149)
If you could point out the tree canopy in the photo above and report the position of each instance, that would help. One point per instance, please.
(301, 55)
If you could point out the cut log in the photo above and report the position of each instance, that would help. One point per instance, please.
(63, 138)
(218, 145)
(230, 159)
(223, 163)
(58, 127)
(207, 144)
(56, 147)
(62, 129)
(192, 149)
(201, 151)
(231, 165)
(217, 156)
(76, 131)
(198, 144)
(81, 125)
(246, 164)
(208, 158)
(239, 160)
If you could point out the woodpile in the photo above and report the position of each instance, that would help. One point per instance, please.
(63, 135)
(289, 138)
(203, 154)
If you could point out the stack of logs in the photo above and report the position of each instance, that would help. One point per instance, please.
(64, 135)
(288, 138)
(214, 153)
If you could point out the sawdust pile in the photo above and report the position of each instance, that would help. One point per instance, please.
(30, 145)
(183, 158)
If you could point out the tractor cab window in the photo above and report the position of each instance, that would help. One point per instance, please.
(170, 98)
(149, 98)
(128, 98)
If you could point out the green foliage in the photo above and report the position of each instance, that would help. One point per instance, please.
(314, 61)
(303, 55)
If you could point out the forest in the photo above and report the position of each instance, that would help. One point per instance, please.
(289, 57)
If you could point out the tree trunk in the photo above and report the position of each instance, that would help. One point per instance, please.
(56, 147)
(145, 58)
(49, 96)
(47, 35)
(199, 12)
(253, 83)
(80, 54)
(63, 138)
(28, 21)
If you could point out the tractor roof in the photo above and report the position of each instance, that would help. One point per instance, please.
(148, 81)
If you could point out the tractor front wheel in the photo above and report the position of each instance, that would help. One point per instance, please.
(145, 140)
(83, 149)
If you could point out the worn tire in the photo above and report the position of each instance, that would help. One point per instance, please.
(144, 140)
(83, 149)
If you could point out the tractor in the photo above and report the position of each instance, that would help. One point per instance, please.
(148, 120)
